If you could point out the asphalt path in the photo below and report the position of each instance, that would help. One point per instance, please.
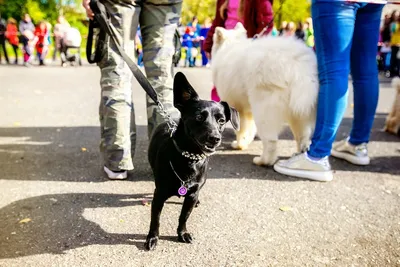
(57, 208)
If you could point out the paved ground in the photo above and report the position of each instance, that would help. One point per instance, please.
(51, 176)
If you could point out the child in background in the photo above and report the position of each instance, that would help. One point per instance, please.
(41, 40)
(12, 36)
(189, 39)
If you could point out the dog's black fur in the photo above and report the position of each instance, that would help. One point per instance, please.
(199, 132)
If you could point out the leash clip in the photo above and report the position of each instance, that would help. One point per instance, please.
(170, 122)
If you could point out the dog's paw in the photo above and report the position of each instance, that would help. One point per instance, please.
(259, 161)
(151, 242)
(197, 204)
(185, 237)
(238, 145)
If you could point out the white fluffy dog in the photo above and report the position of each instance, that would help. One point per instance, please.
(271, 79)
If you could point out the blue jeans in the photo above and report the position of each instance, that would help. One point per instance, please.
(346, 38)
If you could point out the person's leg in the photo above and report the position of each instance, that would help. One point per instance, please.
(333, 29)
(204, 59)
(158, 22)
(56, 48)
(3, 45)
(117, 118)
(364, 71)
(15, 47)
(365, 83)
(394, 71)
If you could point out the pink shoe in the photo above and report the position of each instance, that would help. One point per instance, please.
(214, 95)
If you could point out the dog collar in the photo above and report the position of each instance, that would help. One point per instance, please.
(186, 154)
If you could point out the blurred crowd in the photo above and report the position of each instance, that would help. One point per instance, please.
(28, 38)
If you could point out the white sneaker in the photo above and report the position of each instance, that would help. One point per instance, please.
(302, 166)
(116, 175)
(357, 155)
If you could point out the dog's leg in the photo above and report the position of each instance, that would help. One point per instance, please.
(246, 133)
(269, 124)
(302, 130)
(156, 208)
(188, 205)
(268, 156)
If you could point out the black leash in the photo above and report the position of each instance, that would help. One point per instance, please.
(101, 21)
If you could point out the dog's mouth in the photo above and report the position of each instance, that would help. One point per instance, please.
(206, 147)
(209, 148)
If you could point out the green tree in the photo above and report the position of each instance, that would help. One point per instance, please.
(291, 10)
(33, 9)
(200, 8)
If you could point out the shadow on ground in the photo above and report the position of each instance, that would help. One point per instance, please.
(72, 154)
(57, 224)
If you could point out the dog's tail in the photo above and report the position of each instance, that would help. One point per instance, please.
(396, 84)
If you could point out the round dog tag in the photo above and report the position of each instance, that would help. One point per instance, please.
(182, 190)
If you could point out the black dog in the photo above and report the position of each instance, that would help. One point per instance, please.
(179, 161)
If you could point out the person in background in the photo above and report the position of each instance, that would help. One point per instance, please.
(59, 30)
(299, 33)
(41, 40)
(385, 49)
(257, 16)
(394, 44)
(282, 29)
(385, 30)
(254, 15)
(3, 28)
(139, 47)
(346, 38)
(195, 25)
(26, 28)
(203, 34)
(189, 39)
(274, 31)
(290, 29)
(309, 33)
(12, 37)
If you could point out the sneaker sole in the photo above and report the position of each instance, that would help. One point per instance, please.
(116, 176)
(325, 176)
(351, 158)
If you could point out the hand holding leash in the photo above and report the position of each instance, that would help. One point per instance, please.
(89, 12)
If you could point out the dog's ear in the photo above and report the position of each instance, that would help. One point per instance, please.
(231, 114)
(239, 26)
(219, 34)
(183, 91)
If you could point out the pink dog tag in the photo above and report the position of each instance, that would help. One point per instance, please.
(182, 190)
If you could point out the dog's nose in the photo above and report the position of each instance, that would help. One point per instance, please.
(214, 139)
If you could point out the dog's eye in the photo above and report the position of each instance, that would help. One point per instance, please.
(199, 117)
(221, 121)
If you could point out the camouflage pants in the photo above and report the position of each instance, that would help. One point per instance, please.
(158, 20)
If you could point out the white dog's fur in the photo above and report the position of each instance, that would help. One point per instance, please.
(392, 124)
(273, 79)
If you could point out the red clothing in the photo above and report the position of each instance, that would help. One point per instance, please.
(257, 14)
(12, 34)
(41, 35)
